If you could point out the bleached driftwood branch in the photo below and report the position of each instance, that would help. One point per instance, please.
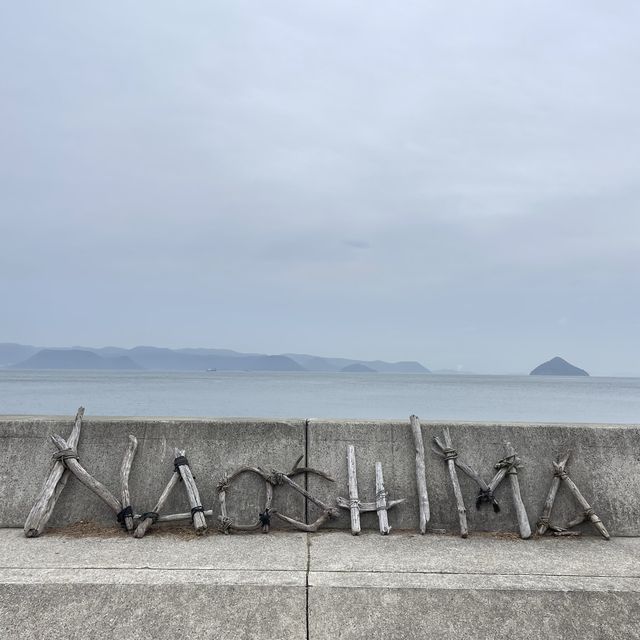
(487, 491)
(544, 520)
(381, 502)
(149, 518)
(589, 514)
(126, 515)
(173, 517)
(272, 480)
(450, 455)
(421, 478)
(182, 466)
(366, 507)
(328, 512)
(353, 504)
(354, 501)
(54, 484)
(70, 459)
(264, 518)
(560, 475)
(521, 512)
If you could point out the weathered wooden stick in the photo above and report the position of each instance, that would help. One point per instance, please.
(450, 455)
(146, 522)
(521, 512)
(328, 512)
(365, 507)
(199, 521)
(311, 528)
(127, 514)
(421, 478)
(84, 477)
(486, 490)
(543, 522)
(174, 517)
(381, 502)
(504, 466)
(54, 484)
(354, 502)
(589, 513)
(226, 523)
(577, 520)
(287, 480)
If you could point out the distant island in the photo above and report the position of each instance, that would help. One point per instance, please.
(76, 359)
(19, 356)
(558, 367)
(357, 368)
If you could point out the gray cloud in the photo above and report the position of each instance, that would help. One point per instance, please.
(212, 175)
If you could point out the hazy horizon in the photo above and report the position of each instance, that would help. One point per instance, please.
(402, 182)
(524, 371)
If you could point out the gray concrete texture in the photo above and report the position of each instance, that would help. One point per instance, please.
(324, 585)
(605, 464)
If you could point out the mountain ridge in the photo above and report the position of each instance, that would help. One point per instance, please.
(185, 359)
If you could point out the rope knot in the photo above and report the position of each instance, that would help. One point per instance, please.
(265, 518)
(486, 495)
(153, 515)
(225, 524)
(506, 462)
(449, 454)
(198, 509)
(180, 461)
(123, 514)
(223, 485)
(276, 478)
(65, 454)
(381, 496)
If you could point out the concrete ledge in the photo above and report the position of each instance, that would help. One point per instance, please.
(597, 451)
(213, 447)
(317, 586)
(218, 446)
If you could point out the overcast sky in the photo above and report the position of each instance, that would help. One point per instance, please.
(452, 183)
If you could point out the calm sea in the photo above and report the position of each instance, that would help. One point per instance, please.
(321, 395)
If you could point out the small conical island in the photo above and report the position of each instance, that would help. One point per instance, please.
(557, 367)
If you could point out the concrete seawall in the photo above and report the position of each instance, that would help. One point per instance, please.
(605, 465)
(84, 583)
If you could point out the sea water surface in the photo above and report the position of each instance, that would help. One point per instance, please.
(321, 395)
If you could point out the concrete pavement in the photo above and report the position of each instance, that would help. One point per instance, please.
(324, 585)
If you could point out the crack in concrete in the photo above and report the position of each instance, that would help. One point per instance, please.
(306, 586)
(123, 568)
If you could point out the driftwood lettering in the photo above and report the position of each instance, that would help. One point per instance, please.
(421, 478)
(53, 486)
(65, 462)
(560, 475)
(353, 504)
(450, 455)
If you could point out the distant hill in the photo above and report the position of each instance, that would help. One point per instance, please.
(174, 360)
(75, 359)
(317, 363)
(163, 359)
(357, 368)
(558, 367)
(11, 353)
